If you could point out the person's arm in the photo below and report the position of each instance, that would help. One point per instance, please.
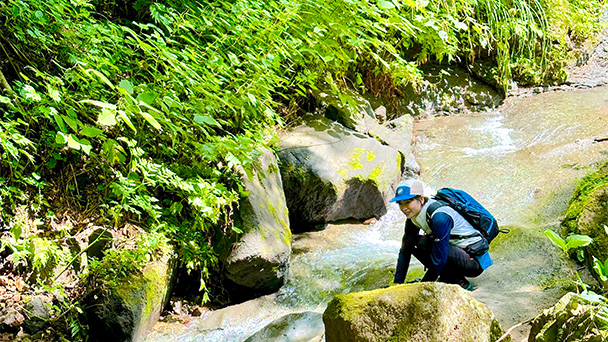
(405, 253)
(441, 225)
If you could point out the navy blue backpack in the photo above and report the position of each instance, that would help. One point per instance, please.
(470, 209)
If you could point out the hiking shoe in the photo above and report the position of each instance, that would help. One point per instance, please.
(465, 284)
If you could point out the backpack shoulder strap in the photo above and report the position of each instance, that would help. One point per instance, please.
(431, 209)
(438, 204)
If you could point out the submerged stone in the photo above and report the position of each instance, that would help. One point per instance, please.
(419, 312)
(297, 327)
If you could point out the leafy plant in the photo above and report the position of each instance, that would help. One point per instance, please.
(571, 242)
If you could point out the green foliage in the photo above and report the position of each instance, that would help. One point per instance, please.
(118, 264)
(571, 242)
(34, 256)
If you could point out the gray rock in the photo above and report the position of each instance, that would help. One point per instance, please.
(360, 117)
(99, 240)
(420, 312)
(298, 327)
(332, 173)
(259, 260)
(449, 89)
(38, 310)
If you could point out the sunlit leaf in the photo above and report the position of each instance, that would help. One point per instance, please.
(207, 120)
(599, 269)
(102, 77)
(126, 119)
(85, 145)
(385, 4)
(127, 86)
(91, 132)
(60, 138)
(556, 239)
(147, 97)
(60, 123)
(151, 120)
(73, 123)
(576, 241)
(73, 142)
(107, 117)
(100, 104)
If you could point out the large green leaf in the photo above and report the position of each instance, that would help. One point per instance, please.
(577, 241)
(91, 132)
(102, 77)
(556, 239)
(385, 4)
(107, 117)
(127, 86)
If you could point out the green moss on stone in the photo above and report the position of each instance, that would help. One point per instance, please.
(586, 186)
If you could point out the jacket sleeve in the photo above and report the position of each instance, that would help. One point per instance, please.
(410, 236)
(441, 225)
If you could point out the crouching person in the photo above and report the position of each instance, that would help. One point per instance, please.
(450, 248)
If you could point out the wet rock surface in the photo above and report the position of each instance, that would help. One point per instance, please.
(297, 327)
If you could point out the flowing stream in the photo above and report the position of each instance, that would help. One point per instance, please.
(521, 161)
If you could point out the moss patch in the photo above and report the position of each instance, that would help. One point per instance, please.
(586, 186)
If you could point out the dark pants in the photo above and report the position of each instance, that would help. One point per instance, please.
(458, 265)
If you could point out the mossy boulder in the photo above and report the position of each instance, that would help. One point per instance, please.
(332, 173)
(587, 213)
(572, 319)
(419, 312)
(127, 311)
(259, 258)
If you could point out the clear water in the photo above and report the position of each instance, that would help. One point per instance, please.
(521, 161)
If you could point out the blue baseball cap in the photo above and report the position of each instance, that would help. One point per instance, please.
(408, 189)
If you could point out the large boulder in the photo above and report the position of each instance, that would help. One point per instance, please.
(127, 310)
(572, 319)
(332, 173)
(360, 116)
(420, 312)
(259, 259)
